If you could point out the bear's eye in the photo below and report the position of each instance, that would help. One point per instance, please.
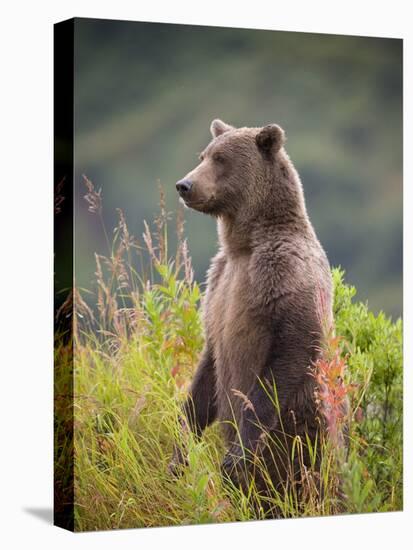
(218, 157)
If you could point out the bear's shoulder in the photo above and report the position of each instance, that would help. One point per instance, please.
(283, 266)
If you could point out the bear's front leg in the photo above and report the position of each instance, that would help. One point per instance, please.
(235, 468)
(260, 415)
(199, 409)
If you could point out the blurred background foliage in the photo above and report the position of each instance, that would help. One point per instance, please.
(145, 95)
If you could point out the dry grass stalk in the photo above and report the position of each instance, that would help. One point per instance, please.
(147, 237)
(247, 403)
(93, 197)
(120, 287)
(187, 263)
(161, 223)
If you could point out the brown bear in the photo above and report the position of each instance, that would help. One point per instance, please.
(261, 312)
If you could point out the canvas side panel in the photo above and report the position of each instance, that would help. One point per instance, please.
(63, 274)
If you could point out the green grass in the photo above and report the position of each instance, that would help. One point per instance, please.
(133, 361)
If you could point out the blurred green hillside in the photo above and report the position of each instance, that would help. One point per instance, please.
(145, 95)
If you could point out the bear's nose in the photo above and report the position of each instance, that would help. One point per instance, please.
(183, 186)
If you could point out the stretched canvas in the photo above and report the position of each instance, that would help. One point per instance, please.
(228, 274)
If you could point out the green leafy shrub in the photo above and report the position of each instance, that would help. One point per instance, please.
(375, 366)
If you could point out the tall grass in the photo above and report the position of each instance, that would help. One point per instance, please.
(136, 341)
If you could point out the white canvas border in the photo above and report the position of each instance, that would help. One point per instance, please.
(26, 232)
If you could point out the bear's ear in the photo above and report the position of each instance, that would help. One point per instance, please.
(219, 127)
(270, 139)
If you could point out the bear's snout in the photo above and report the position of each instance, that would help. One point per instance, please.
(183, 187)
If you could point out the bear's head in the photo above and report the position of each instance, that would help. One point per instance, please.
(241, 171)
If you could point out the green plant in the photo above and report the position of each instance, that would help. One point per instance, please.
(134, 354)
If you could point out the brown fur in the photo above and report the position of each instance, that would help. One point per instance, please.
(261, 310)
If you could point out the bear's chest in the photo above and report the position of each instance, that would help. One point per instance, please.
(236, 334)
